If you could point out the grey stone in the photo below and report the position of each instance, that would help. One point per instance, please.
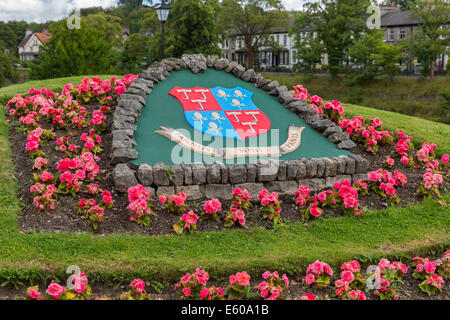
(282, 187)
(253, 188)
(122, 118)
(152, 192)
(136, 92)
(320, 167)
(331, 130)
(285, 97)
(198, 174)
(330, 181)
(262, 82)
(311, 168)
(187, 174)
(213, 174)
(270, 86)
(238, 70)
(122, 134)
(193, 192)
(123, 177)
(165, 190)
(301, 169)
(122, 112)
(282, 171)
(337, 137)
(134, 97)
(221, 64)
(347, 145)
(351, 165)
(314, 185)
(362, 165)
(231, 66)
(177, 174)
(210, 61)
(147, 75)
(146, 82)
(132, 105)
(223, 174)
(331, 167)
(219, 191)
(237, 173)
(291, 169)
(321, 125)
(251, 173)
(118, 125)
(341, 164)
(266, 171)
(123, 155)
(121, 144)
(141, 86)
(145, 174)
(248, 75)
(195, 62)
(160, 175)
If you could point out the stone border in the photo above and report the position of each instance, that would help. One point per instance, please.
(217, 180)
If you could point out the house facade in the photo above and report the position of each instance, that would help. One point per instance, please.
(30, 47)
(398, 26)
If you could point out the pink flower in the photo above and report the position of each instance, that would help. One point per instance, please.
(435, 280)
(390, 161)
(310, 279)
(189, 218)
(266, 274)
(308, 296)
(242, 278)
(444, 158)
(347, 276)
(204, 293)
(186, 291)
(33, 294)
(429, 267)
(139, 285)
(213, 206)
(186, 278)
(55, 290)
(163, 199)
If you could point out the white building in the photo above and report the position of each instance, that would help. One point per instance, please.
(29, 47)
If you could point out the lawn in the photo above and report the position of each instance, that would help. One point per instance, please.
(411, 96)
(393, 232)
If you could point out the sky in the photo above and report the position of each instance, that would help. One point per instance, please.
(45, 10)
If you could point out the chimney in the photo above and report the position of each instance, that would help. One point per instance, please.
(28, 32)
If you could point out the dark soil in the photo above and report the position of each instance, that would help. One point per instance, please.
(66, 219)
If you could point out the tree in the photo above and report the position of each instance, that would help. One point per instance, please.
(136, 54)
(403, 4)
(8, 37)
(338, 24)
(309, 53)
(432, 37)
(192, 27)
(74, 52)
(371, 57)
(253, 21)
(108, 25)
(7, 71)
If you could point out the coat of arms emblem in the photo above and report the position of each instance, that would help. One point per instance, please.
(222, 112)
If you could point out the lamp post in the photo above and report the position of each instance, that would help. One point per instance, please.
(163, 10)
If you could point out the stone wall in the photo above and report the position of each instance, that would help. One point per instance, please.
(218, 180)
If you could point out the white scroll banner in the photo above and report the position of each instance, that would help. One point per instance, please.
(291, 144)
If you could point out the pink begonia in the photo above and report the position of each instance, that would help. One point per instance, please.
(138, 285)
(189, 219)
(186, 291)
(356, 295)
(55, 290)
(435, 280)
(310, 279)
(212, 206)
(33, 294)
(445, 158)
(308, 296)
(163, 199)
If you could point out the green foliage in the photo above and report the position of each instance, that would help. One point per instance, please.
(371, 57)
(7, 70)
(8, 39)
(192, 28)
(254, 21)
(309, 53)
(136, 54)
(337, 24)
(432, 37)
(78, 51)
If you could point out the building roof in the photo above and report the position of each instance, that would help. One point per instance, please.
(43, 38)
(401, 18)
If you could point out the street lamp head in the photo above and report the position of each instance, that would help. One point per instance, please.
(163, 10)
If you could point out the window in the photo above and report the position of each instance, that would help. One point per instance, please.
(402, 34)
(278, 38)
(285, 40)
(391, 34)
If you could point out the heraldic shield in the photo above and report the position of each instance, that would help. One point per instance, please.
(222, 112)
